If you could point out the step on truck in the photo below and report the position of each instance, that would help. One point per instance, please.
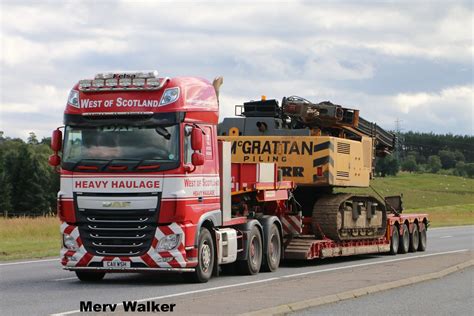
(148, 185)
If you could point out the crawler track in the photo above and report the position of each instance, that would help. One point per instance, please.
(330, 218)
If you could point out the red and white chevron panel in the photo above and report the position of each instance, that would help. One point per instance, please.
(292, 224)
(152, 259)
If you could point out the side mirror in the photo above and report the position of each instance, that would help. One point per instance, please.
(196, 139)
(56, 140)
(54, 160)
(197, 159)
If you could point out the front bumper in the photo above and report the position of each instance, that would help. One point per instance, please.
(173, 260)
(129, 269)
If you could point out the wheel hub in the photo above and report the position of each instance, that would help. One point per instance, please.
(205, 257)
(253, 250)
(274, 248)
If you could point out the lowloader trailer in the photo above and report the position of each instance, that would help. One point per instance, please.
(147, 185)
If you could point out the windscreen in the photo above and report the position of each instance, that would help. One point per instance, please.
(157, 143)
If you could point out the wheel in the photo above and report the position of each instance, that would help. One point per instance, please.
(394, 241)
(404, 240)
(254, 254)
(206, 256)
(89, 276)
(414, 238)
(271, 260)
(422, 240)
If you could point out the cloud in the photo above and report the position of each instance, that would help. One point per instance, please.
(18, 50)
(448, 110)
(329, 50)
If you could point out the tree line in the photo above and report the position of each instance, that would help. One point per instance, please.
(28, 185)
(433, 153)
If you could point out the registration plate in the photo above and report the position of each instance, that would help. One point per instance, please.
(116, 264)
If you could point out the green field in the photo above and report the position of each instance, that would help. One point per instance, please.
(26, 237)
(448, 200)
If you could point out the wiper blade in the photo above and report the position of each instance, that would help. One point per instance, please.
(81, 161)
(152, 165)
(163, 132)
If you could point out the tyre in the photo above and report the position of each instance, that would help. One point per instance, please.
(206, 256)
(414, 238)
(272, 257)
(89, 276)
(253, 262)
(422, 241)
(394, 241)
(404, 240)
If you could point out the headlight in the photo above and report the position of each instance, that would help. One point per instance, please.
(70, 242)
(169, 242)
(169, 96)
(73, 98)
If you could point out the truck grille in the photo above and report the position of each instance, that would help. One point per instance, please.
(119, 232)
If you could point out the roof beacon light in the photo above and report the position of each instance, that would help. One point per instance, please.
(147, 74)
(153, 82)
(98, 83)
(125, 82)
(84, 84)
(138, 82)
(111, 82)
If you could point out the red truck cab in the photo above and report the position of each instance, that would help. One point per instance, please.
(141, 180)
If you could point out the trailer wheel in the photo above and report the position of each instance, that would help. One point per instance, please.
(253, 262)
(394, 241)
(89, 276)
(423, 240)
(404, 240)
(271, 261)
(206, 254)
(414, 238)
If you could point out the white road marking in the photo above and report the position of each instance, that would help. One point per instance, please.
(64, 279)
(276, 278)
(452, 227)
(26, 262)
(449, 236)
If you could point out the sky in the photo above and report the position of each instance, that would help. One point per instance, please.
(410, 61)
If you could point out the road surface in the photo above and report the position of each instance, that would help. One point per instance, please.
(451, 295)
(41, 287)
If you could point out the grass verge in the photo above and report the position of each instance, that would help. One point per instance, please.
(26, 237)
(450, 215)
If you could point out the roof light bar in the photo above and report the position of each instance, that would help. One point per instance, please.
(118, 82)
